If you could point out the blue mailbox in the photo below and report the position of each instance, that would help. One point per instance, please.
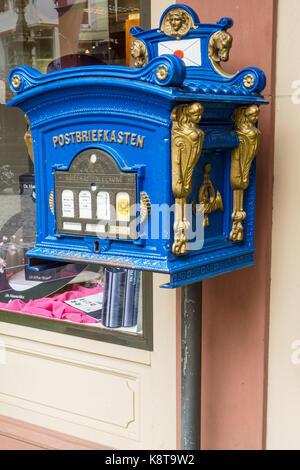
(152, 167)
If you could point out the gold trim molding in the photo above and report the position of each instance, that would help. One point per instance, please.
(51, 202)
(187, 141)
(28, 140)
(145, 207)
(245, 118)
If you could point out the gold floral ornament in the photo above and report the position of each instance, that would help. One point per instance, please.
(28, 139)
(162, 72)
(208, 199)
(16, 81)
(245, 119)
(176, 23)
(139, 53)
(187, 141)
(249, 80)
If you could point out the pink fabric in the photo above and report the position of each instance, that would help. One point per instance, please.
(54, 307)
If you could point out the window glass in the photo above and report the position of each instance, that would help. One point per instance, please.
(49, 35)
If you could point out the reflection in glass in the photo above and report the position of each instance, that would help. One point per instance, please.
(120, 298)
(49, 35)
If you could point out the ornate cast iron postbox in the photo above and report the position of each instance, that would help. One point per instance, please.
(114, 145)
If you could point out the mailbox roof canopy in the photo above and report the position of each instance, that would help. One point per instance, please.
(182, 63)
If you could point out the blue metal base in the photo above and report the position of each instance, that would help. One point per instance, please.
(180, 271)
(190, 276)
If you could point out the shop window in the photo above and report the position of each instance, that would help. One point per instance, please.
(105, 303)
(4, 5)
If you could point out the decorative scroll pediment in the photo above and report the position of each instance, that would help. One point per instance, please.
(24, 78)
(203, 48)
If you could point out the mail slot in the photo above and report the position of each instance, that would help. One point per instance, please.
(152, 167)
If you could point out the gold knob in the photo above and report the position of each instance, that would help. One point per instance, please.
(162, 72)
(248, 80)
(16, 81)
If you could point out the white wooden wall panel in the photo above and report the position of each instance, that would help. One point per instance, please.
(108, 394)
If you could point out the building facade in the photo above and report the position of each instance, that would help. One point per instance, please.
(67, 388)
